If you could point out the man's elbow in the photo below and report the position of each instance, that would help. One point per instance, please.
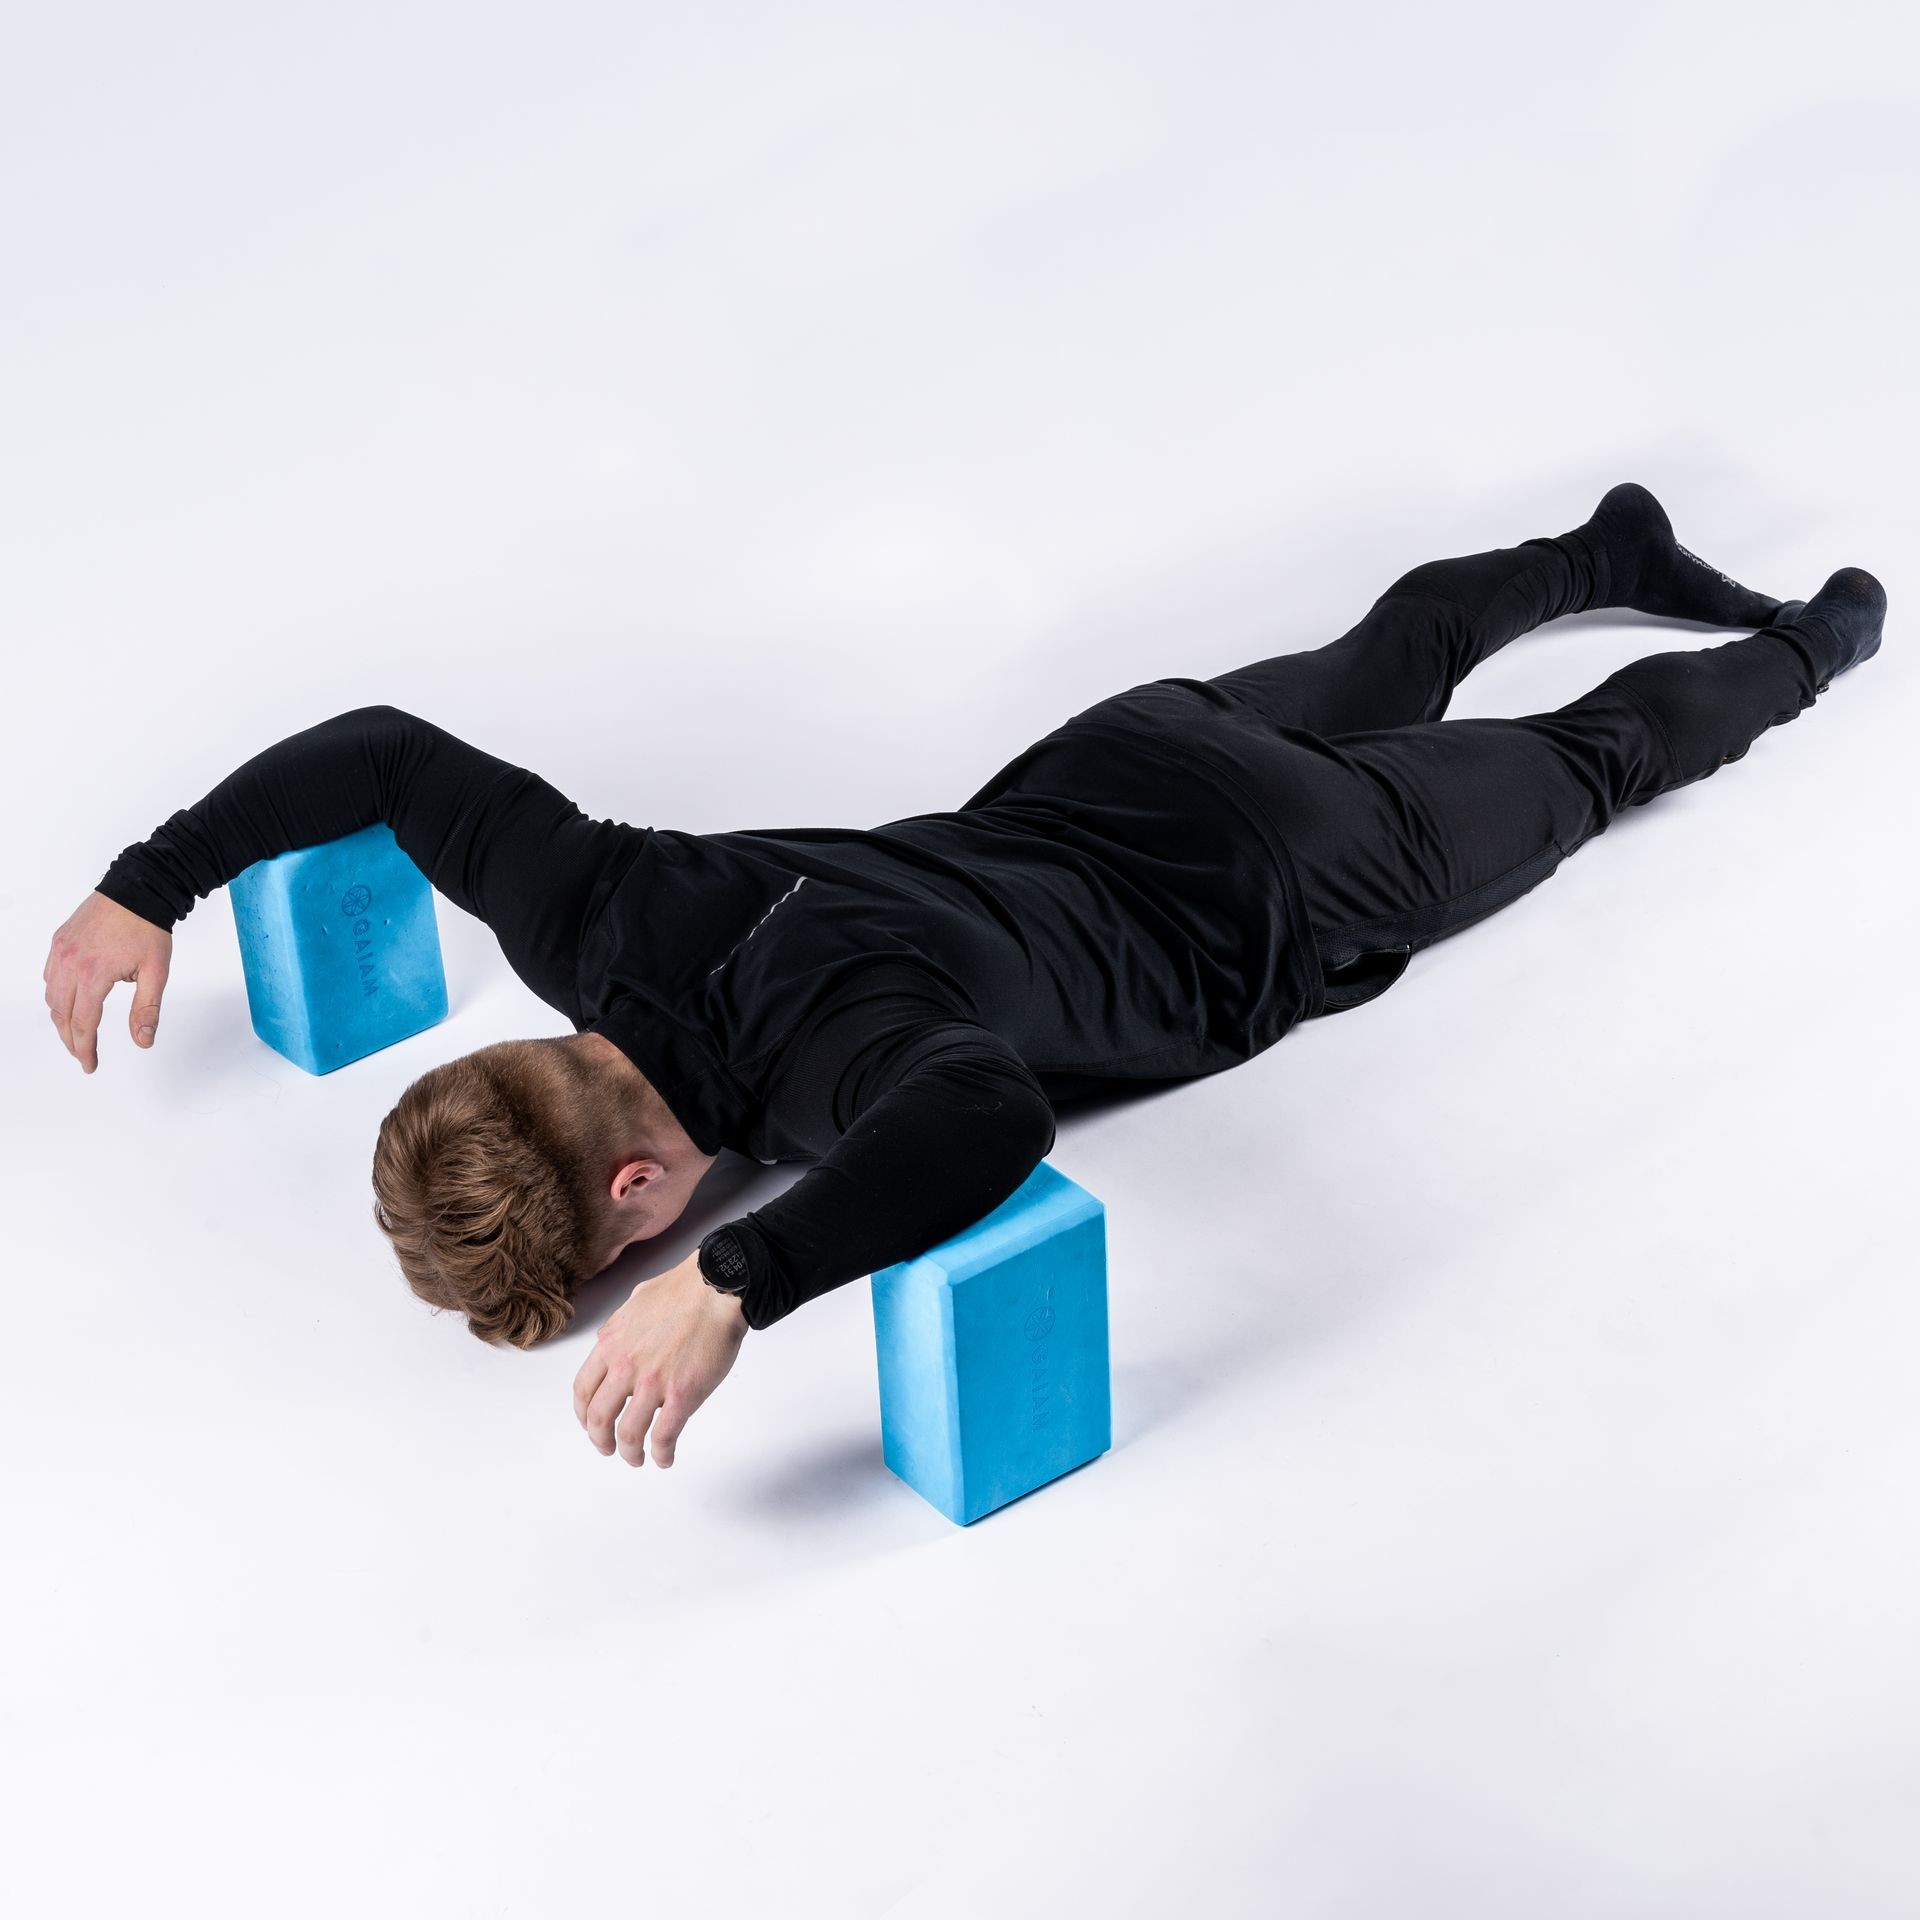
(376, 720)
(1033, 1127)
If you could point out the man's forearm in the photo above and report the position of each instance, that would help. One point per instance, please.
(330, 780)
(495, 839)
(925, 1161)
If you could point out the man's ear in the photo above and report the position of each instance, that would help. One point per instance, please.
(631, 1180)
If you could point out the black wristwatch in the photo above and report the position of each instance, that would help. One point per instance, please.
(723, 1263)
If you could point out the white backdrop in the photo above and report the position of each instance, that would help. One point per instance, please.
(779, 416)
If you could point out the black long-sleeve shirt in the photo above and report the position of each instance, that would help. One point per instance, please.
(901, 1003)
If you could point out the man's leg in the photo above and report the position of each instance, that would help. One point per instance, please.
(1403, 835)
(1433, 626)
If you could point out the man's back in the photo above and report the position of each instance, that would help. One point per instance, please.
(1104, 913)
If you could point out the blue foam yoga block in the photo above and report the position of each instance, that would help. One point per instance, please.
(994, 1376)
(340, 949)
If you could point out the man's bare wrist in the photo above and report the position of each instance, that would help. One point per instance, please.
(731, 1309)
(731, 1306)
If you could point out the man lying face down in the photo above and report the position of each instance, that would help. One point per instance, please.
(1156, 890)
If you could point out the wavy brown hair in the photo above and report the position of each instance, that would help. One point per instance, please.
(484, 1181)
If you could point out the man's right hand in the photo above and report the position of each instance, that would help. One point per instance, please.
(101, 944)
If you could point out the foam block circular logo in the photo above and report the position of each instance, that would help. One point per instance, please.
(1039, 1323)
(355, 901)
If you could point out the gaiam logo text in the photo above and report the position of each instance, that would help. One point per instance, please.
(354, 904)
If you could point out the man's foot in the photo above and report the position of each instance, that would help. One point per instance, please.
(1841, 625)
(1647, 569)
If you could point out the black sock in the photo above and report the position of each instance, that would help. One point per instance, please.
(1639, 564)
(1839, 627)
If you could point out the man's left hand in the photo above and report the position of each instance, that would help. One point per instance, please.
(659, 1357)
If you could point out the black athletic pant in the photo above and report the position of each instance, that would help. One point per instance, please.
(1405, 827)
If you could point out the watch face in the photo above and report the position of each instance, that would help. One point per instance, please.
(722, 1260)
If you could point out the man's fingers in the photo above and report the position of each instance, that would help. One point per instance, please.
(60, 1005)
(633, 1428)
(586, 1381)
(149, 983)
(607, 1401)
(666, 1430)
(83, 1023)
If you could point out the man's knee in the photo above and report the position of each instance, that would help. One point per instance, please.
(1614, 743)
(1437, 582)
